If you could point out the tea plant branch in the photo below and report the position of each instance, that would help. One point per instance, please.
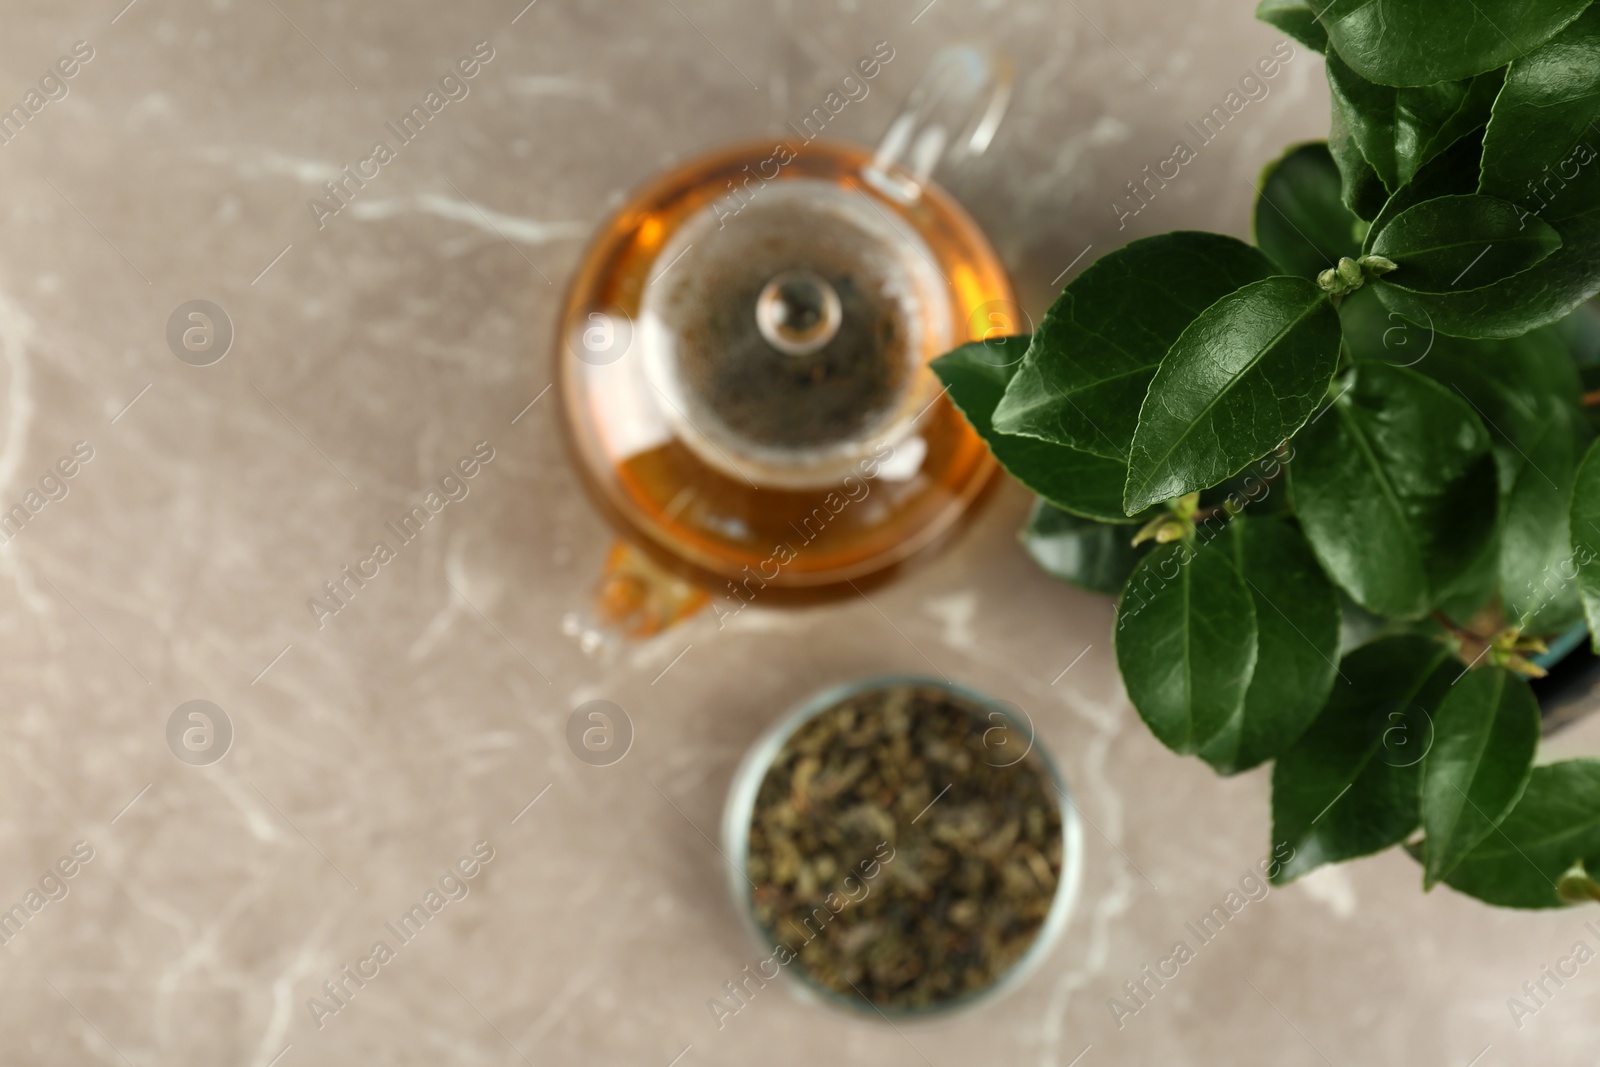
(1201, 354)
(1506, 647)
(1456, 629)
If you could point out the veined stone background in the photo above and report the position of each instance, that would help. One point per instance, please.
(373, 753)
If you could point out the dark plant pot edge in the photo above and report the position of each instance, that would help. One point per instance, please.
(1572, 688)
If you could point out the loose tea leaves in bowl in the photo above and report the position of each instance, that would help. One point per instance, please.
(903, 849)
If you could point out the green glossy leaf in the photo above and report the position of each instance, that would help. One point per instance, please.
(1394, 485)
(1542, 141)
(1362, 190)
(1186, 643)
(1096, 556)
(1243, 378)
(1555, 824)
(1373, 333)
(1443, 113)
(1475, 587)
(1300, 220)
(1296, 18)
(1581, 332)
(1349, 786)
(1488, 375)
(1536, 297)
(1368, 113)
(1453, 172)
(1526, 391)
(1536, 554)
(1419, 42)
(1586, 537)
(1457, 242)
(976, 375)
(1297, 642)
(1091, 361)
(1399, 129)
(1484, 737)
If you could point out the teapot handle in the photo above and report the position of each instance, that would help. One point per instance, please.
(952, 113)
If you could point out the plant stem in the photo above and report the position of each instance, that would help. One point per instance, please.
(1459, 631)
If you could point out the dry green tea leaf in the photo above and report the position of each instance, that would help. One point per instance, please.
(903, 849)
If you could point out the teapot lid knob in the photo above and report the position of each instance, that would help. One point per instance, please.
(798, 312)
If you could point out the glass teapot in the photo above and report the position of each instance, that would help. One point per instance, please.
(742, 360)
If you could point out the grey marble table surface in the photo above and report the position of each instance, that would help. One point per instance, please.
(372, 751)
